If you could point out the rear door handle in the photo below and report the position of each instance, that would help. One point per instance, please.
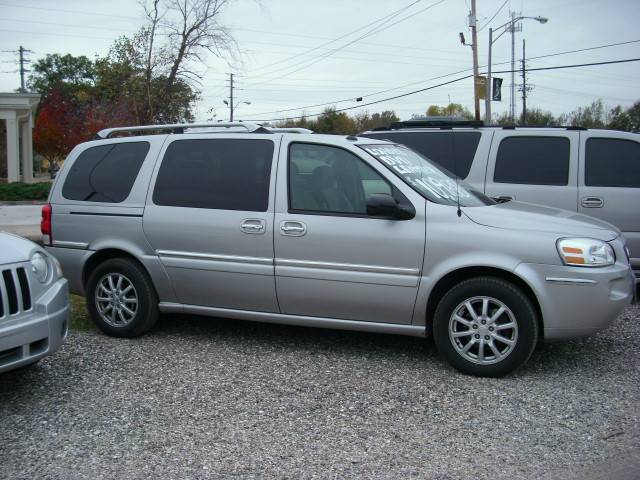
(253, 225)
(592, 202)
(293, 228)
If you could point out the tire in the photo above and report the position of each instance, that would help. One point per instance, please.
(125, 318)
(507, 331)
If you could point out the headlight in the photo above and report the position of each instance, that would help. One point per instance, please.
(585, 252)
(40, 266)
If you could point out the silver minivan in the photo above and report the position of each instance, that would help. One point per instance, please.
(246, 222)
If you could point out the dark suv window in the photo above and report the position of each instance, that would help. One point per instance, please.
(451, 150)
(105, 173)
(612, 162)
(223, 174)
(533, 161)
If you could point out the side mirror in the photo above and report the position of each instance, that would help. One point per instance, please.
(385, 206)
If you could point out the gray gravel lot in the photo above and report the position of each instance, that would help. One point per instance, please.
(199, 398)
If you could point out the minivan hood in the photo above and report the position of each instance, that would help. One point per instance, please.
(527, 216)
(14, 249)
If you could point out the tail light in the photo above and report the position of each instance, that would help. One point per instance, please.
(45, 224)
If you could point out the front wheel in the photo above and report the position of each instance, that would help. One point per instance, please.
(121, 298)
(485, 326)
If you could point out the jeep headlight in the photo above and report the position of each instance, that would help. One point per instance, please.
(585, 252)
(40, 267)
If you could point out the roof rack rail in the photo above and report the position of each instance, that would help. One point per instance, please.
(288, 130)
(435, 124)
(180, 128)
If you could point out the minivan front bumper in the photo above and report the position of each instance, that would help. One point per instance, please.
(36, 333)
(578, 301)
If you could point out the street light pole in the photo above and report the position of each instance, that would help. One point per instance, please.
(488, 94)
(508, 27)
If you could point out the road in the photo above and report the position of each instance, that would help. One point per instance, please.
(23, 220)
(210, 398)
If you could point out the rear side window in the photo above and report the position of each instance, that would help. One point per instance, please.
(223, 174)
(533, 161)
(452, 150)
(105, 173)
(612, 162)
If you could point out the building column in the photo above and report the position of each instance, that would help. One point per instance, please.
(12, 149)
(27, 149)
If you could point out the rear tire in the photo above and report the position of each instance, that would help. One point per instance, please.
(485, 326)
(121, 298)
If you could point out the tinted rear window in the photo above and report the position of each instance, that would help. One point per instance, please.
(533, 161)
(105, 173)
(612, 162)
(224, 174)
(451, 150)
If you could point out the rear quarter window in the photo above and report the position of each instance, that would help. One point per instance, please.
(533, 160)
(105, 173)
(612, 162)
(454, 151)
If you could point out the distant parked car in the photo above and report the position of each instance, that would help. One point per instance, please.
(242, 221)
(589, 171)
(34, 303)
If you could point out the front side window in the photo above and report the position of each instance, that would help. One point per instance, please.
(223, 174)
(331, 180)
(612, 162)
(105, 173)
(429, 180)
(532, 160)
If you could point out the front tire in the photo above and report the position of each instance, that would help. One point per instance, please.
(121, 299)
(485, 326)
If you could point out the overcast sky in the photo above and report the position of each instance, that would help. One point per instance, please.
(274, 69)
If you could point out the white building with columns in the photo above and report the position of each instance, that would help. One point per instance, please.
(18, 112)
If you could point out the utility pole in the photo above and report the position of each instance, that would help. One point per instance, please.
(515, 27)
(474, 47)
(524, 87)
(488, 94)
(231, 97)
(23, 70)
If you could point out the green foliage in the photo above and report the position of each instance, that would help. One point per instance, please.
(627, 120)
(73, 76)
(451, 110)
(591, 116)
(11, 192)
(339, 123)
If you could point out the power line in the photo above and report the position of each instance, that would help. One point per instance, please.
(488, 22)
(93, 14)
(556, 67)
(380, 92)
(373, 31)
(391, 15)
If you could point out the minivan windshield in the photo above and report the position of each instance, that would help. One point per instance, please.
(429, 180)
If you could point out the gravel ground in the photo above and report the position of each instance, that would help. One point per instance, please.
(200, 398)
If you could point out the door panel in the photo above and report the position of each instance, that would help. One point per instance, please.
(534, 168)
(218, 257)
(609, 183)
(345, 266)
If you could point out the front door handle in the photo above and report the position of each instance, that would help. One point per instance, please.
(293, 228)
(503, 198)
(253, 225)
(592, 202)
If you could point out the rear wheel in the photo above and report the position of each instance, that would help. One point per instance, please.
(485, 326)
(121, 298)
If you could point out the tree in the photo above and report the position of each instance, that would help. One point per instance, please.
(627, 120)
(65, 74)
(537, 116)
(363, 121)
(591, 116)
(451, 110)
